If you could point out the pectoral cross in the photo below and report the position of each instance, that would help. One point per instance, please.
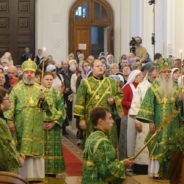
(164, 100)
(97, 97)
(31, 101)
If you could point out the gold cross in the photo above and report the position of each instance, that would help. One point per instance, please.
(97, 97)
(31, 101)
(164, 100)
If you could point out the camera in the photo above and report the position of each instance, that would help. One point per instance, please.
(151, 2)
(132, 45)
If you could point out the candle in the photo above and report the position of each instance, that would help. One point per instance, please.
(44, 49)
(181, 54)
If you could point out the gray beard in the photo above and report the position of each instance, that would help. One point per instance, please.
(28, 82)
(166, 87)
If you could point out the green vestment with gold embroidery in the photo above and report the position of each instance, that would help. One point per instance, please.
(9, 157)
(28, 117)
(54, 160)
(95, 93)
(100, 163)
(155, 109)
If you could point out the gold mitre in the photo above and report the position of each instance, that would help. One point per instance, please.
(163, 64)
(29, 65)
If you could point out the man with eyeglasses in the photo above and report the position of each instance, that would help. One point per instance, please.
(10, 159)
(12, 75)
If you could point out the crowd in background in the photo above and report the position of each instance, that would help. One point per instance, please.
(130, 72)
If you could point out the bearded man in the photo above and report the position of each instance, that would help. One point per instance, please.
(158, 104)
(25, 120)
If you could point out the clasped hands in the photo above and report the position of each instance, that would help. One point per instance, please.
(41, 95)
(138, 126)
(48, 125)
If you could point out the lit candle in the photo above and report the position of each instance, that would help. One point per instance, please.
(44, 49)
(181, 54)
(181, 57)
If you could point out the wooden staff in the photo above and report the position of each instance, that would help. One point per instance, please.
(181, 67)
(163, 124)
(43, 65)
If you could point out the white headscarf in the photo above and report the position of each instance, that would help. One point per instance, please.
(132, 76)
(174, 70)
(107, 59)
(180, 81)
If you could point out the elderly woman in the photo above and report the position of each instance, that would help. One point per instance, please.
(114, 69)
(128, 90)
(8, 57)
(175, 74)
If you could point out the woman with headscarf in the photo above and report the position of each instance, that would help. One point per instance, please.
(128, 90)
(109, 59)
(142, 129)
(109, 62)
(8, 58)
(175, 74)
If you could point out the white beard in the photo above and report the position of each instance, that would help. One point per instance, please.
(166, 87)
(28, 82)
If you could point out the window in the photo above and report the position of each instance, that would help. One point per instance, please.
(96, 10)
(82, 11)
(99, 11)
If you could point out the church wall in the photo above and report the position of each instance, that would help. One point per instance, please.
(147, 26)
(169, 26)
(52, 27)
(124, 23)
(178, 26)
(131, 18)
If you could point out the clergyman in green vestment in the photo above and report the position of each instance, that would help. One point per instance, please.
(25, 120)
(100, 163)
(54, 160)
(10, 159)
(158, 104)
(95, 91)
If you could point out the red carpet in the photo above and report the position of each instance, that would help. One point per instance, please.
(73, 164)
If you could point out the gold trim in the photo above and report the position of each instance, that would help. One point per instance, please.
(76, 114)
(93, 96)
(33, 139)
(102, 97)
(53, 157)
(34, 155)
(88, 86)
(146, 111)
(79, 106)
(89, 163)
(97, 144)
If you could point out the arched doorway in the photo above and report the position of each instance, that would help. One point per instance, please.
(91, 27)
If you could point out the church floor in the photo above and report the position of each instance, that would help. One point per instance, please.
(70, 143)
(67, 180)
(142, 179)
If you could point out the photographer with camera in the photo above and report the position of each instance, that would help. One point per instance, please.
(138, 49)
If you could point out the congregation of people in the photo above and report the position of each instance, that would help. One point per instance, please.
(116, 106)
